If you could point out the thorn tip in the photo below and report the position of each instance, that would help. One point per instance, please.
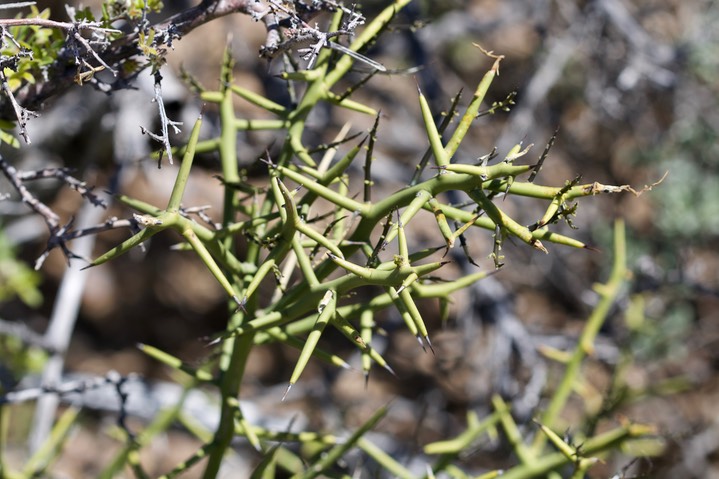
(421, 343)
(429, 343)
(289, 386)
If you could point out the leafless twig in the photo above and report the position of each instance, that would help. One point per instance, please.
(62, 323)
(12, 174)
(165, 122)
(65, 75)
(305, 39)
(64, 175)
(66, 234)
(69, 387)
(42, 22)
(57, 240)
(8, 6)
(22, 115)
(59, 235)
(201, 212)
(109, 224)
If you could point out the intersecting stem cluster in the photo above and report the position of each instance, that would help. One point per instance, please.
(317, 271)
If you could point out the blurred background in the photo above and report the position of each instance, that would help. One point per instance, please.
(631, 89)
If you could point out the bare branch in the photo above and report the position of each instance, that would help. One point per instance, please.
(8, 6)
(22, 115)
(305, 39)
(165, 122)
(109, 224)
(42, 22)
(65, 234)
(201, 212)
(64, 74)
(69, 387)
(12, 174)
(64, 175)
(57, 239)
(59, 235)
(75, 34)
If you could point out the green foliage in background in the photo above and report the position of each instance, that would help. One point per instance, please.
(35, 48)
(17, 278)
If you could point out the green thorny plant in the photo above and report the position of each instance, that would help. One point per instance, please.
(284, 241)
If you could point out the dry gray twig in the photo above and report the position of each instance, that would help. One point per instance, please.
(165, 122)
(12, 174)
(62, 324)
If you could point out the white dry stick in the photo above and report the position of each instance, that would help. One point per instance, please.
(8, 6)
(62, 324)
(165, 122)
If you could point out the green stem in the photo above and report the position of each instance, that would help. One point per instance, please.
(608, 293)
(235, 350)
(184, 173)
(230, 381)
(471, 113)
(553, 461)
(363, 39)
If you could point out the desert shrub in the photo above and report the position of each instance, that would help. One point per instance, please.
(308, 246)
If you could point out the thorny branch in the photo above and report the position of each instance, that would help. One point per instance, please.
(21, 114)
(74, 38)
(165, 122)
(59, 235)
(64, 175)
(201, 212)
(42, 22)
(70, 387)
(304, 38)
(13, 176)
(80, 62)
(291, 16)
(57, 239)
(64, 74)
(63, 235)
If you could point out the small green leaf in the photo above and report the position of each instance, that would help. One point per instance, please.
(8, 138)
(84, 14)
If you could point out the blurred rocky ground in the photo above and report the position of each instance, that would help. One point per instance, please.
(631, 86)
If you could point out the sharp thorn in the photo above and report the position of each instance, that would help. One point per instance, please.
(421, 343)
(240, 304)
(429, 343)
(289, 386)
(391, 371)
